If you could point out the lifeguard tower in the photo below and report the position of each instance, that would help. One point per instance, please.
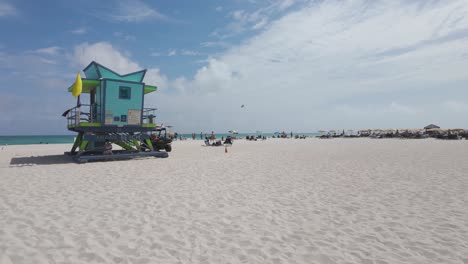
(115, 114)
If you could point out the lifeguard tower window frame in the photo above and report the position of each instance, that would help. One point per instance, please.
(125, 92)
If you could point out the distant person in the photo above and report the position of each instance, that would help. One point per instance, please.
(213, 135)
(201, 135)
(228, 140)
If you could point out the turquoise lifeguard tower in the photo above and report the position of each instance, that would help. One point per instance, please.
(115, 114)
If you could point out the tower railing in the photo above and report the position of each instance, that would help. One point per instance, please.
(149, 116)
(86, 113)
(82, 113)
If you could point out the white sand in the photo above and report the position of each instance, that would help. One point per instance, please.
(277, 201)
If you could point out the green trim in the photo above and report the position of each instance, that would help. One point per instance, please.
(137, 144)
(150, 88)
(150, 145)
(83, 144)
(86, 124)
(88, 85)
(78, 140)
(123, 145)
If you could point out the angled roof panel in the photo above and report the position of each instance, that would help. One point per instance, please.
(91, 71)
(97, 71)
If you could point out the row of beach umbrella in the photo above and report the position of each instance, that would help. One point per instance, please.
(394, 130)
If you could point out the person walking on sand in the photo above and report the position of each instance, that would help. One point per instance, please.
(212, 135)
(201, 135)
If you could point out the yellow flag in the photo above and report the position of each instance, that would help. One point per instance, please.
(78, 87)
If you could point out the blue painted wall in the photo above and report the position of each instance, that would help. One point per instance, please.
(119, 106)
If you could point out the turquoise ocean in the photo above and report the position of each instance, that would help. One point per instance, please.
(68, 139)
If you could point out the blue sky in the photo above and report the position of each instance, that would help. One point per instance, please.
(297, 65)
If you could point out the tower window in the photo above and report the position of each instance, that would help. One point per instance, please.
(124, 92)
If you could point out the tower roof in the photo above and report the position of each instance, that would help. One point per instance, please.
(97, 71)
(94, 72)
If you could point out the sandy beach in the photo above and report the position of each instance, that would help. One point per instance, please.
(274, 201)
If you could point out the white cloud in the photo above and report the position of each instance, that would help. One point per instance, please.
(124, 36)
(47, 61)
(211, 44)
(243, 20)
(79, 31)
(105, 54)
(284, 4)
(215, 77)
(371, 110)
(189, 52)
(260, 24)
(155, 77)
(132, 11)
(219, 8)
(174, 52)
(54, 50)
(6, 9)
(456, 106)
